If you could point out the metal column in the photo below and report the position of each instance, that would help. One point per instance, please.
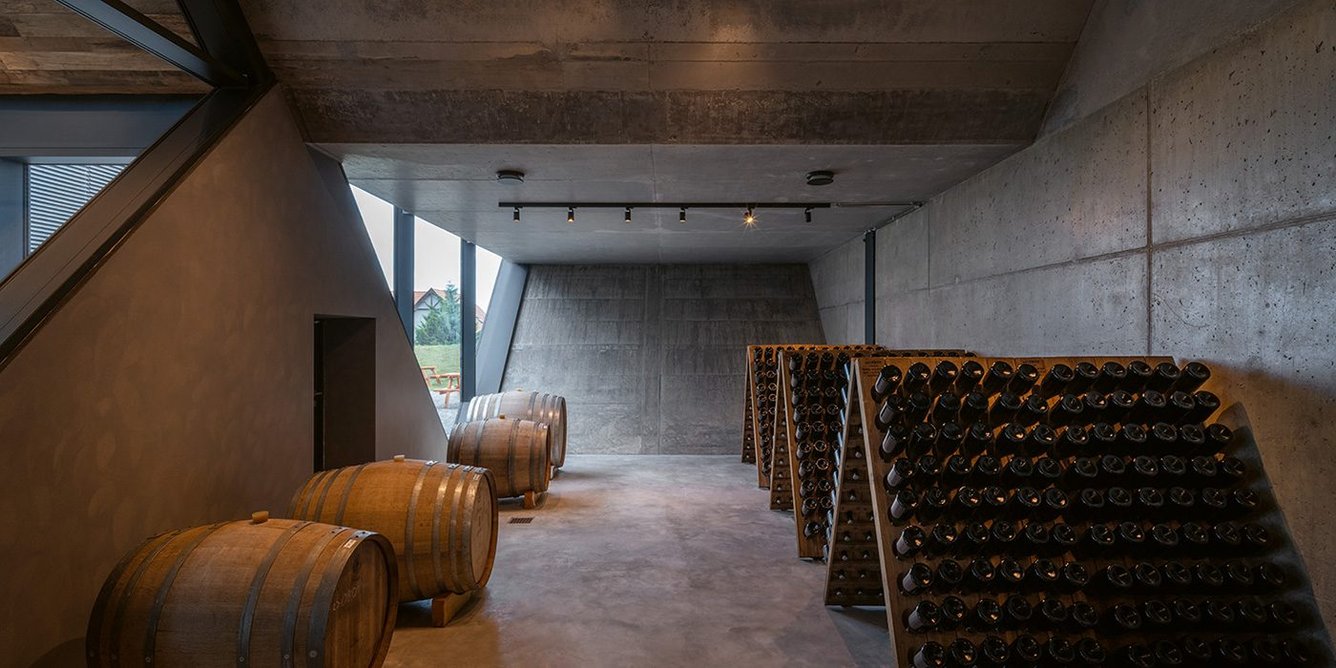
(468, 298)
(403, 268)
(870, 286)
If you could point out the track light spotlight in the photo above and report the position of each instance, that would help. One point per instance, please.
(749, 219)
(682, 215)
(628, 216)
(807, 213)
(570, 214)
(516, 216)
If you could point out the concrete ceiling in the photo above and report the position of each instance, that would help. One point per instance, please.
(692, 100)
(455, 187)
(46, 48)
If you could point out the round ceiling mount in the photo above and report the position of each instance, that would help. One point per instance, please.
(511, 176)
(820, 177)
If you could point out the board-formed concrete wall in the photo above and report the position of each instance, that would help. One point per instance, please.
(650, 357)
(174, 387)
(1195, 217)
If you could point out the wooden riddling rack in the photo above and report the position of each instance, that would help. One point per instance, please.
(784, 445)
(1294, 593)
(748, 446)
(814, 390)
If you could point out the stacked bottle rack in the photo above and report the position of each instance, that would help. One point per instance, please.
(1061, 511)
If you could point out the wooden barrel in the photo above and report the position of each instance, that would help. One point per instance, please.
(440, 518)
(249, 593)
(516, 451)
(549, 409)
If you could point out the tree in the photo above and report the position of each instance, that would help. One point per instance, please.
(441, 324)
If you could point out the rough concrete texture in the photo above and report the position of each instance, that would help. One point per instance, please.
(1202, 231)
(837, 279)
(648, 561)
(650, 357)
(695, 71)
(174, 387)
(1127, 42)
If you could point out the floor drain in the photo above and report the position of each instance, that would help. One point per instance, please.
(521, 520)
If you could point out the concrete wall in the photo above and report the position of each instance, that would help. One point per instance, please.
(650, 357)
(12, 242)
(175, 387)
(1195, 217)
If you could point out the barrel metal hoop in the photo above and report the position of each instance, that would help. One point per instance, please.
(288, 642)
(456, 509)
(309, 499)
(160, 600)
(436, 526)
(347, 492)
(95, 632)
(320, 506)
(253, 596)
(409, 524)
(320, 606)
(510, 457)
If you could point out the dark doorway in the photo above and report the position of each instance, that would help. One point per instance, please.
(345, 391)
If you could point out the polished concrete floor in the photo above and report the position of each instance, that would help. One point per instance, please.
(640, 560)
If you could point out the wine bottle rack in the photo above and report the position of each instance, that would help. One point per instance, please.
(763, 392)
(748, 447)
(1143, 578)
(814, 387)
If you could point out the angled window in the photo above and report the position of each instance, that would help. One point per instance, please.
(56, 192)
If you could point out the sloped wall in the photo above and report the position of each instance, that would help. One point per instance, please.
(175, 387)
(1195, 217)
(650, 357)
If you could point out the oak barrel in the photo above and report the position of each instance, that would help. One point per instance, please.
(516, 451)
(550, 409)
(254, 593)
(440, 518)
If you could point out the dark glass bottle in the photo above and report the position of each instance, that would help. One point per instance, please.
(962, 652)
(916, 377)
(1023, 377)
(1047, 471)
(1025, 502)
(1197, 651)
(1256, 538)
(974, 540)
(1167, 653)
(954, 610)
(979, 575)
(1163, 539)
(971, 372)
(900, 476)
(1148, 407)
(1124, 618)
(1195, 539)
(1065, 537)
(957, 469)
(909, 543)
(1192, 376)
(1089, 504)
(1165, 377)
(946, 408)
(941, 540)
(1055, 380)
(1017, 612)
(1117, 502)
(1083, 617)
(1091, 652)
(924, 616)
(1204, 405)
(1138, 375)
(916, 407)
(903, 505)
(1114, 579)
(949, 575)
(943, 376)
(1072, 441)
(1033, 410)
(1157, 615)
(928, 655)
(1103, 438)
(1163, 437)
(996, 378)
(932, 503)
(1041, 576)
(1186, 613)
(1172, 469)
(1073, 577)
(993, 652)
(921, 439)
(978, 438)
(1083, 472)
(1055, 504)
(1069, 410)
(1191, 439)
(917, 580)
(1009, 575)
(965, 502)
(1120, 404)
(1207, 576)
(1084, 374)
(1218, 438)
(985, 616)
(1111, 377)
(1040, 440)
(1026, 650)
(1004, 408)
(1059, 651)
(1177, 407)
(987, 470)
(1033, 539)
(1010, 440)
(1131, 539)
(1132, 438)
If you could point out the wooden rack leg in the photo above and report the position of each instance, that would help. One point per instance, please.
(445, 607)
(530, 500)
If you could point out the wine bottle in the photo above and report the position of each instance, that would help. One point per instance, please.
(1192, 376)
(993, 652)
(928, 655)
(1218, 438)
(1055, 380)
(941, 540)
(1017, 612)
(949, 576)
(888, 380)
(978, 438)
(984, 617)
(961, 652)
(916, 377)
(1204, 405)
(1004, 409)
(1156, 616)
(1174, 575)
(1121, 403)
(956, 469)
(1111, 377)
(1026, 650)
(986, 471)
(1139, 374)
(1039, 440)
(1059, 651)
(954, 611)
(1033, 410)
(1123, 618)
(949, 439)
(1041, 576)
(979, 575)
(1165, 377)
(1148, 407)
(971, 372)
(1072, 441)
(1090, 651)
(1009, 575)
(894, 442)
(1023, 377)
(946, 408)
(996, 378)
(923, 617)
(943, 376)
(1084, 374)
(1069, 410)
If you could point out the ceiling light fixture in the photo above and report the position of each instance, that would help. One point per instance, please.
(682, 215)
(628, 216)
(570, 214)
(516, 217)
(821, 177)
(807, 213)
(510, 176)
(749, 219)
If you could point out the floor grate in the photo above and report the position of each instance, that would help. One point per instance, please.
(521, 520)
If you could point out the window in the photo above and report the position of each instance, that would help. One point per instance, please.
(56, 193)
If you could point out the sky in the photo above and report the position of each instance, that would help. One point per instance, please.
(435, 251)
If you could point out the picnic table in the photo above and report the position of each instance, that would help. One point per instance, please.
(449, 381)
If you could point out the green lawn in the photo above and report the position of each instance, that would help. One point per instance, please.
(444, 358)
